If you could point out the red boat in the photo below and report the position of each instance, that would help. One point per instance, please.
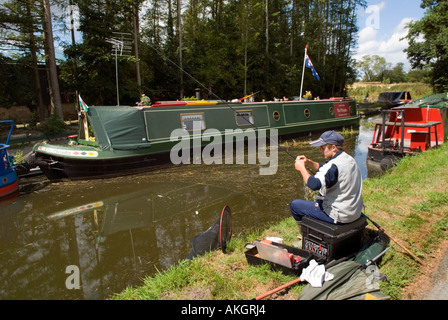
(414, 127)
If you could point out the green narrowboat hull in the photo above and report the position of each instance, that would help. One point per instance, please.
(123, 139)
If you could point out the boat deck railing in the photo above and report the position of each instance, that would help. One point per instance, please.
(407, 124)
(4, 146)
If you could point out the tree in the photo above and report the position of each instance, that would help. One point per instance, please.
(373, 67)
(428, 46)
(394, 75)
(55, 94)
(90, 66)
(20, 25)
(231, 48)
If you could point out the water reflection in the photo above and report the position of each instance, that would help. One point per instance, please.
(119, 230)
(116, 231)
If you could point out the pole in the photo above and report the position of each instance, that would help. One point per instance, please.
(116, 75)
(328, 265)
(278, 289)
(395, 240)
(303, 72)
(116, 44)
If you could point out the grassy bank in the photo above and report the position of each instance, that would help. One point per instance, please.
(359, 90)
(410, 203)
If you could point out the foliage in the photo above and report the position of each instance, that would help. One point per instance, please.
(53, 125)
(376, 68)
(16, 82)
(372, 67)
(228, 49)
(27, 28)
(417, 90)
(427, 42)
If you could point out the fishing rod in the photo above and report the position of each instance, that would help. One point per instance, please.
(298, 280)
(248, 96)
(327, 266)
(395, 240)
(218, 98)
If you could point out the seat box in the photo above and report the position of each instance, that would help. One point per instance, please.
(253, 258)
(332, 241)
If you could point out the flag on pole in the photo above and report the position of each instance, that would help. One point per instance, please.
(309, 64)
(83, 105)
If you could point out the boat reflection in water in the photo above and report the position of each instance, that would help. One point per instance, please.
(113, 242)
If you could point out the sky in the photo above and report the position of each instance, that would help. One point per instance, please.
(382, 25)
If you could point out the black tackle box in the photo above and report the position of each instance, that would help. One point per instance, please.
(332, 241)
(253, 258)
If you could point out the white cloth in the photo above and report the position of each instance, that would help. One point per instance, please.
(315, 274)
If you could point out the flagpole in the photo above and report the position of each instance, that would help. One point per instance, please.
(303, 73)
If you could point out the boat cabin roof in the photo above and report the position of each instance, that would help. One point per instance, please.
(407, 124)
(118, 127)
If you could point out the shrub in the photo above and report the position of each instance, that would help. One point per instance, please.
(53, 125)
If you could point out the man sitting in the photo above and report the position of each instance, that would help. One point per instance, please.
(339, 182)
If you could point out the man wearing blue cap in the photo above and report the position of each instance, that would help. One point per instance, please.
(339, 182)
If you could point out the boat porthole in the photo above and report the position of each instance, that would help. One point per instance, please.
(5, 180)
(331, 111)
(307, 113)
(276, 116)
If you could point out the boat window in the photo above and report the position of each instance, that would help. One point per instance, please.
(307, 113)
(191, 121)
(244, 118)
(331, 110)
(276, 116)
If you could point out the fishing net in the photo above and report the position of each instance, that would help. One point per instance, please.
(216, 237)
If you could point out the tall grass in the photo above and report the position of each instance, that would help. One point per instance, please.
(417, 90)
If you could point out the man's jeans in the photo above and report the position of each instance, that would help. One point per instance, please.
(300, 208)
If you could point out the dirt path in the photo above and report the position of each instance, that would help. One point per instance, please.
(433, 283)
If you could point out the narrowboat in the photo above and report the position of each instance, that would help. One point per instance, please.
(386, 100)
(414, 127)
(9, 183)
(119, 140)
(394, 99)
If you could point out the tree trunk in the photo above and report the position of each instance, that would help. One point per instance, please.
(267, 28)
(179, 17)
(55, 95)
(136, 26)
(38, 87)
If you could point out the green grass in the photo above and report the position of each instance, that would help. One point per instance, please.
(417, 90)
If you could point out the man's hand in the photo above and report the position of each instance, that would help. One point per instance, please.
(300, 163)
(300, 166)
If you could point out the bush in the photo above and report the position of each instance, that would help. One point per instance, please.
(53, 125)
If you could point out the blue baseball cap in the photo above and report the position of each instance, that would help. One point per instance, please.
(328, 137)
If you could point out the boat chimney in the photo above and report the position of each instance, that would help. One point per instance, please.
(198, 93)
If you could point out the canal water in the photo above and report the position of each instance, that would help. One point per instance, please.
(116, 231)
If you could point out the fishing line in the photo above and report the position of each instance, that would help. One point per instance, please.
(215, 95)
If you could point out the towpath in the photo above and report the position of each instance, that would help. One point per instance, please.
(432, 284)
(440, 280)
